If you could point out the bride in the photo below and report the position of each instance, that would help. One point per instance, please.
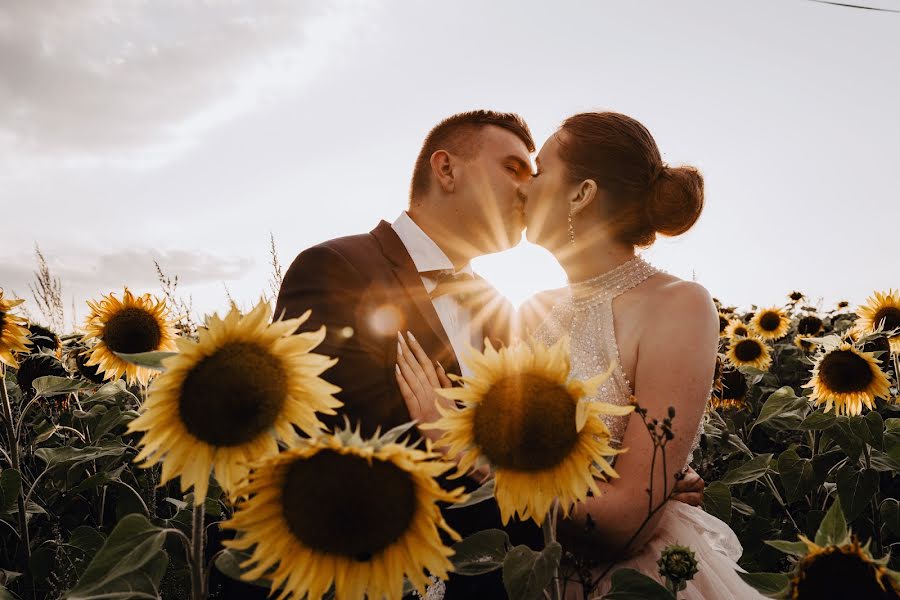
(601, 190)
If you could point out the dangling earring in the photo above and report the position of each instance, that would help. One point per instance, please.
(571, 227)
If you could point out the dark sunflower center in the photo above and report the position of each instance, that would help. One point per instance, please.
(734, 385)
(2, 320)
(809, 325)
(747, 350)
(233, 395)
(132, 330)
(342, 504)
(844, 371)
(841, 573)
(740, 330)
(723, 323)
(526, 423)
(769, 321)
(891, 316)
(796, 296)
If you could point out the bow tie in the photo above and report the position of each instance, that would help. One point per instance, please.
(462, 286)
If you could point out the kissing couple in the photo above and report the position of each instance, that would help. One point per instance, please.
(401, 306)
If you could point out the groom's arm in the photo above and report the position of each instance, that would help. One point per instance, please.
(323, 281)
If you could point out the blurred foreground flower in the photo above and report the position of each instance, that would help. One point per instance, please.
(846, 378)
(13, 333)
(337, 509)
(543, 437)
(132, 325)
(226, 399)
(843, 570)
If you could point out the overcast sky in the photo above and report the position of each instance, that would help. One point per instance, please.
(186, 132)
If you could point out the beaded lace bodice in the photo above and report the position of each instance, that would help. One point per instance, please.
(585, 314)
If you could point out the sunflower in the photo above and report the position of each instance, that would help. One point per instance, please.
(732, 391)
(881, 307)
(337, 509)
(13, 334)
(520, 413)
(841, 571)
(724, 319)
(736, 328)
(796, 297)
(810, 325)
(750, 351)
(804, 344)
(37, 365)
(770, 323)
(224, 400)
(847, 378)
(131, 325)
(44, 339)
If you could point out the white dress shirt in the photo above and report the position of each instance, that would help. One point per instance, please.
(427, 256)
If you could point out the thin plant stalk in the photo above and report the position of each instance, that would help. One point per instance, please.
(198, 579)
(16, 463)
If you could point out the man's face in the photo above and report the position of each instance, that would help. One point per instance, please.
(491, 205)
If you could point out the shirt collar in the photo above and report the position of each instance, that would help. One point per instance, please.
(425, 254)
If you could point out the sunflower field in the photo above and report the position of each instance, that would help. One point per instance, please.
(123, 473)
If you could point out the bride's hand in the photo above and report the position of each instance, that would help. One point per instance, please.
(418, 380)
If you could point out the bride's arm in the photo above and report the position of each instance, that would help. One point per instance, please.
(675, 364)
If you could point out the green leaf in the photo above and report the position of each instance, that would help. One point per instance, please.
(150, 360)
(751, 470)
(773, 585)
(890, 515)
(229, 563)
(485, 492)
(129, 565)
(783, 410)
(846, 438)
(10, 488)
(55, 457)
(817, 421)
(855, 489)
(717, 501)
(833, 528)
(51, 385)
(526, 573)
(796, 549)
(797, 475)
(876, 429)
(98, 480)
(628, 584)
(481, 552)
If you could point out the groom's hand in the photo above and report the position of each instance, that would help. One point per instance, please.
(689, 489)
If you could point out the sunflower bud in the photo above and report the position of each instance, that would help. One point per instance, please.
(677, 565)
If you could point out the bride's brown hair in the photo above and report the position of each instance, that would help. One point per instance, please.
(645, 196)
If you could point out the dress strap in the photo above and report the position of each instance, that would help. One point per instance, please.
(610, 284)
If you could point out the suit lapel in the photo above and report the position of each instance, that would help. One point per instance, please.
(408, 276)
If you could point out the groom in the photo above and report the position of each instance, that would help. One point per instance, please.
(414, 275)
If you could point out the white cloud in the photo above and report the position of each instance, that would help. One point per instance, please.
(136, 80)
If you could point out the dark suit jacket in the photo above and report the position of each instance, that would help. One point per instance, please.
(364, 289)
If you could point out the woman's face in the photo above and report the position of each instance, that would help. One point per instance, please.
(547, 198)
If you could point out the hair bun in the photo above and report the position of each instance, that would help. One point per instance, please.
(676, 200)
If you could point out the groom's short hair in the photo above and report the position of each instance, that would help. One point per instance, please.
(459, 134)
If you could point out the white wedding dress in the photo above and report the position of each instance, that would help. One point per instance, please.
(584, 313)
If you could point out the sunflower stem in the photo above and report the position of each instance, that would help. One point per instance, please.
(198, 579)
(549, 529)
(16, 464)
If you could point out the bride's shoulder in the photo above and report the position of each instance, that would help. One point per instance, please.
(535, 309)
(672, 296)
